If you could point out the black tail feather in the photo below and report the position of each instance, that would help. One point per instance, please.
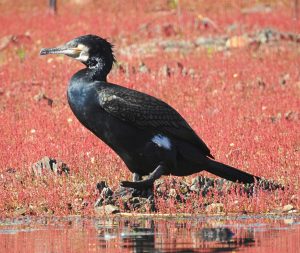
(236, 175)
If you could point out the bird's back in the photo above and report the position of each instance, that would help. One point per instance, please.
(146, 112)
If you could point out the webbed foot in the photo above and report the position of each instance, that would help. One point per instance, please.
(147, 183)
(140, 185)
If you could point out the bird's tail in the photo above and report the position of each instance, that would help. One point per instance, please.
(236, 175)
(195, 156)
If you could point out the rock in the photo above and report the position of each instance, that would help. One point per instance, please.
(288, 208)
(266, 35)
(142, 201)
(208, 42)
(136, 202)
(215, 208)
(11, 170)
(237, 42)
(143, 205)
(276, 118)
(132, 203)
(20, 211)
(106, 195)
(292, 116)
(202, 184)
(232, 27)
(284, 79)
(184, 189)
(4, 41)
(107, 209)
(104, 190)
(101, 185)
(206, 22)
(288, 221)
(285, 209)
(175, 45)
(259, 8)
(261, 83)
(172, 193)
(41, 96)
(192, 73)
(143, 68)
(165, 71)
(50, 164)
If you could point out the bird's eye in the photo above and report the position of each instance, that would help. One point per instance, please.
(72, 44)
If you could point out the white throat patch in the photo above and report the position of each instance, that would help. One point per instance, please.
(83, 57)
(84, 54)
(162, 141)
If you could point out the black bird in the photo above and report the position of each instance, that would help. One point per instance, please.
(150, 136)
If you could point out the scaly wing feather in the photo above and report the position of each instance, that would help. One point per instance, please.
(144, 111)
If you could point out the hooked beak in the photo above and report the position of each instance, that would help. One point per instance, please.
(69, 51)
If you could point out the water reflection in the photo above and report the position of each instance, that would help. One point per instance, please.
(201, 234)
(216, 234)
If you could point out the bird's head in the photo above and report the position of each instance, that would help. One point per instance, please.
(91, 50)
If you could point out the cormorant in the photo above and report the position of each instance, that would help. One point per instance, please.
(150, 136)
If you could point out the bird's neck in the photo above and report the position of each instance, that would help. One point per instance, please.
(96, 75)
(97, 69)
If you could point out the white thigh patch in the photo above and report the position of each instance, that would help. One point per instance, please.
(162, 141)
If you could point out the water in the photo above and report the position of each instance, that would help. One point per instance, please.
(144, 234)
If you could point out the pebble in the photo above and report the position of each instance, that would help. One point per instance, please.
(49, 164)
(288, 208)
(215, 208)
(107, 209)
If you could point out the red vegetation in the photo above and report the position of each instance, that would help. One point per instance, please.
(243, 102)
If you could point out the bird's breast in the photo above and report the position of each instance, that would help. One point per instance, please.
(82, 100)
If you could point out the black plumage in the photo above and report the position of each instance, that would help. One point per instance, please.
(150, 136)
